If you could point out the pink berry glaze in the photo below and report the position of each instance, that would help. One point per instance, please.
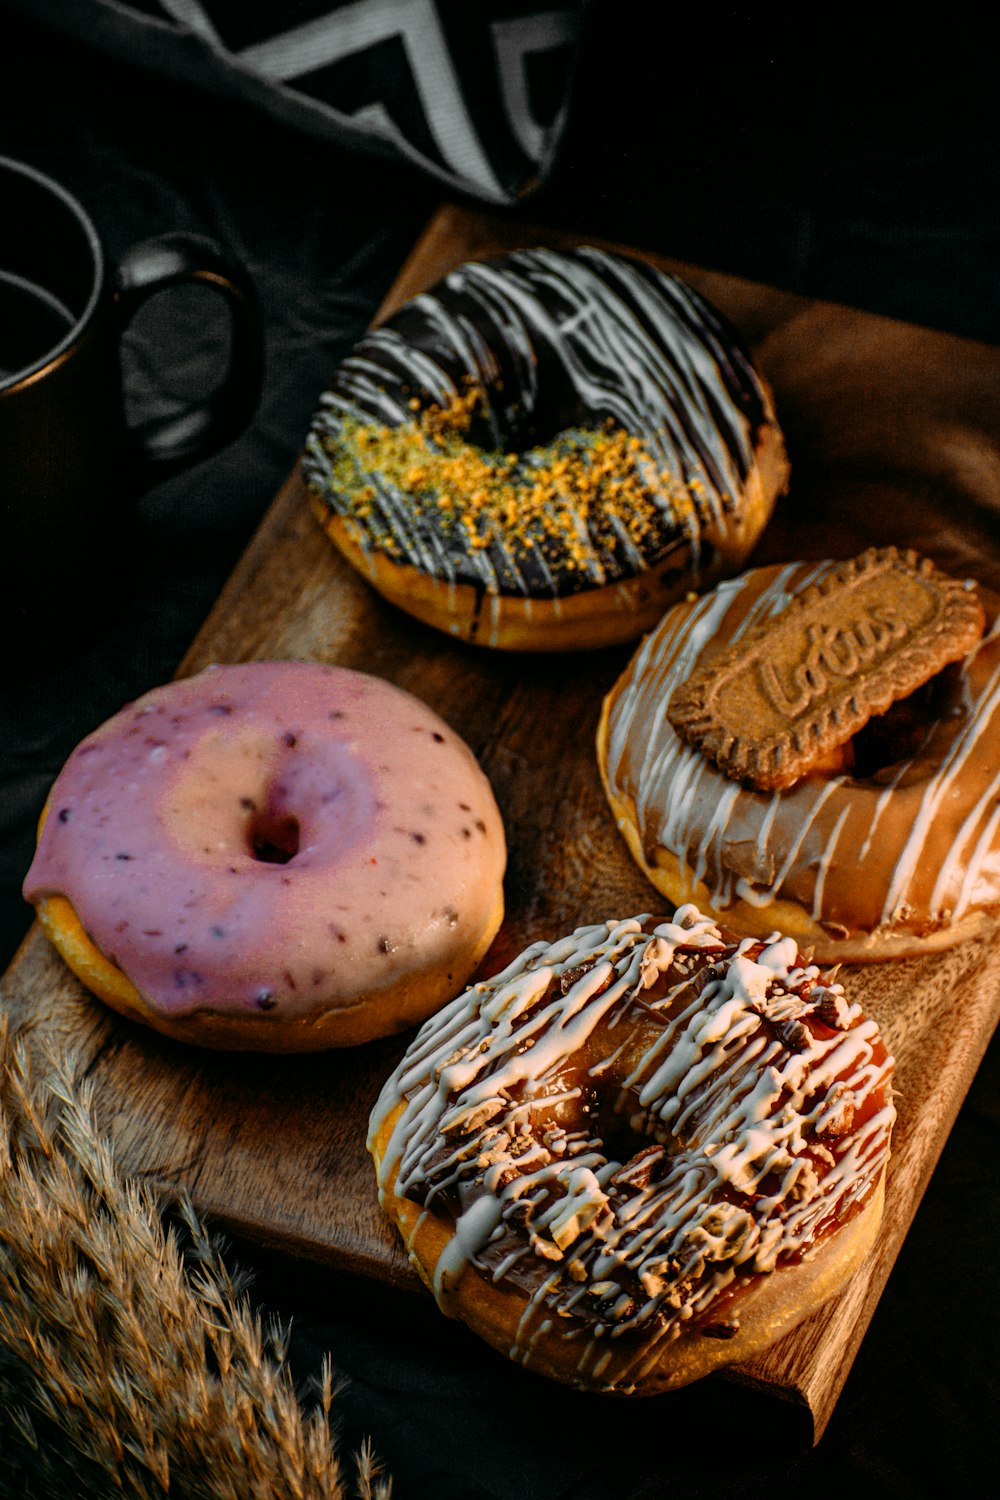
(277, 836)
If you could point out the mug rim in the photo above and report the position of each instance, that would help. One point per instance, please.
(58, 351)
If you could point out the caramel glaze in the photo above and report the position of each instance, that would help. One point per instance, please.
(635, 1126)
(878, 865)
(556, 343)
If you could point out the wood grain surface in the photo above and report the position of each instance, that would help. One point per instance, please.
(894, 436)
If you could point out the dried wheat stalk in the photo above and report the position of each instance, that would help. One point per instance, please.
(125, 1366)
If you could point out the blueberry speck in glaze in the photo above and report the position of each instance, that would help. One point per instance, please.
(123, 856)
(466, 833)
(222, 709)
(437, 738)
(181, 948)
(248, 804)
(289, 978)
(419, 838)
(385, 945)
(65, 814)
(217, 931)
(265, 999)
(290, 739)
(338, 713)
(183, 978)
(480, 825)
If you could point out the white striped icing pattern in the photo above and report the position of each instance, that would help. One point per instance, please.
(918, 848)
(727, 1108)
(586, 333)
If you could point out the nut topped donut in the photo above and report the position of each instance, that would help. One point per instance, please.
(278, 856)
(640, 1152)
(545, 450)
(877, 836)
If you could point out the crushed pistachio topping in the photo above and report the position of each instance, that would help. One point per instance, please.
(581, 497)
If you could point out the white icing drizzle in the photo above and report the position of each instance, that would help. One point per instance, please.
(739, 1079)
(881, 806)
(919, 846)
(565, 340)
(939, 788)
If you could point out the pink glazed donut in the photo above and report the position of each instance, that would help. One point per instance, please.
(278, 856)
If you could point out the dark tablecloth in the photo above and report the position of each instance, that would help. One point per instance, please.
(862, 175)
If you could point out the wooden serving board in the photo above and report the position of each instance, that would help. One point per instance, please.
(894, 436)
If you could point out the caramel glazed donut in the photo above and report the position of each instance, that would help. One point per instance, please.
(590, 442)
(279, 856)
(898, 857)
(639, 1153)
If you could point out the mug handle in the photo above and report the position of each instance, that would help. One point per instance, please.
(166, 444)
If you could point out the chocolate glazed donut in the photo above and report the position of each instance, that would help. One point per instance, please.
(640, 1152)
(619, 449)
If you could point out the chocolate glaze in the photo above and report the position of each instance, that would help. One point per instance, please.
(633, 1124)
(558, 343)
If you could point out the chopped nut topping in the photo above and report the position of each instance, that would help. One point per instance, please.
(838, 1116)
(832, 1009)
(570, 977)
(582, 492)
(794, 1035)
(545, 1248)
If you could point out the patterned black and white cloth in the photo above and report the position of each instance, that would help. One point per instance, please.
(475, 92)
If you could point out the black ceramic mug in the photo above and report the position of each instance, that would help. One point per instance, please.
(70, 465)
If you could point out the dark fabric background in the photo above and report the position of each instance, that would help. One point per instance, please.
(474, 95)
(819, 161)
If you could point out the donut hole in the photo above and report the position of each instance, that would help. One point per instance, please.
(273, 838)
(496, 427)
(626, 1132)
(542, 429)
(621, 1142)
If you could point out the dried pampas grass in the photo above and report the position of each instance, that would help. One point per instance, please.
(129, 1366)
